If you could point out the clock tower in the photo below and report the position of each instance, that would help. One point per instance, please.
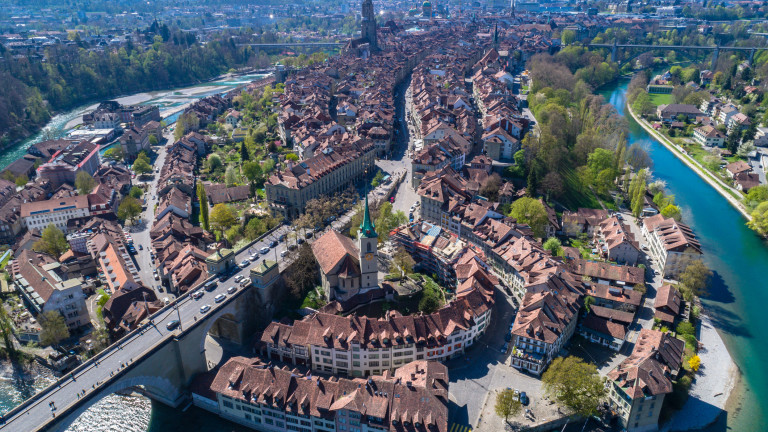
(367, 240)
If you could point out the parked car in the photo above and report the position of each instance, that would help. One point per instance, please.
(299, 241)
(504, 348)
(292, 247)
(219, 298)
(166, 301)
(245, 282)
(205, 308)
(524, 399)
(232, 290)
(264, 250)
(172, 324)
(197, 294)
(238, 278)
(283, 254)
(309, 235)
(273, 244)
(141, 247)
(245, 263)
(210, 286)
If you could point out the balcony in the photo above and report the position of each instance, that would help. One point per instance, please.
(528, 355)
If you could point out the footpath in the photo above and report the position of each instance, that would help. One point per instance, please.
(718, 185)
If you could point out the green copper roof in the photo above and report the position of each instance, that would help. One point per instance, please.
(263, 267)
(367, 229)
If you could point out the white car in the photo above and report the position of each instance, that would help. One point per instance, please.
(231, 290)
(245, 263)
(238, 278)
(219, 298)
(283, 254)
(197, 295)
(205, 308)
(264, 250)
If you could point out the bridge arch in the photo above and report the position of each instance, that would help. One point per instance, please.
(224, 324)
(160, 388)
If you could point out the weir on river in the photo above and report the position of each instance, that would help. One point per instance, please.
(738, 258)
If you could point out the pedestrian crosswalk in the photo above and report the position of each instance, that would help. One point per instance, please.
(456, 427)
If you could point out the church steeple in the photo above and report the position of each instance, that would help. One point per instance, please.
(367, 228)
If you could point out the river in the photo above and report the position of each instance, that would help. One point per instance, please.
(739, 260)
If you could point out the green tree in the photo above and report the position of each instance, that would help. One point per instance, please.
(153, 141)
(387, 220)
(759, 220)
(84, 183)
(115, 153)
(54, 328)
(554, 246)
(6, 328)
(21, 180)
(588, 302)
(244, 156)
(203, 199)
(214, 163)
(756, 195)
(230, 176)
(377, 179)
(575, 385)
(637, 190)
(507, 404)
(403, 262)
(694, 279)
(304, 274)
(292, 157)
(672, 211)
(532, 212)
(568, 37)
(136, 192)
(643, 104)
(141, 165)
(430, 297)
(52, 241)
(222, 217)
(129, 209)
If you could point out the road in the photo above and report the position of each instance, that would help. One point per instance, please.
(140, 231)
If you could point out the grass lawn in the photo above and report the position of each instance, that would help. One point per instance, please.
(575, 195)
(661, 99)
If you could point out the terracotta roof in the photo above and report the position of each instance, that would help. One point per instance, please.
(333, 247)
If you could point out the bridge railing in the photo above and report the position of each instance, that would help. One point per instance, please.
(111, 348)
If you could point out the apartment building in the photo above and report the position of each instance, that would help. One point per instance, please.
(637, 386)
(329, 172)
(361, 346)
(708, 136)
(614, 241)
(40, 282)
(65, 164)
(40, 214)
(672, 243)
(268, 398)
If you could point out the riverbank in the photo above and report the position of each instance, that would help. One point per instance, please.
(692, 164)
(711, 389)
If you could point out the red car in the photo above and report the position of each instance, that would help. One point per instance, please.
(392, 200)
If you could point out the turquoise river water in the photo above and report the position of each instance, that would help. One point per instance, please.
(738, 294)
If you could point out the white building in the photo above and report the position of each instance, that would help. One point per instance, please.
(672, 243)
(40, 214)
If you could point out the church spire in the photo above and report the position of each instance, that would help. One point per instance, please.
(367, 228)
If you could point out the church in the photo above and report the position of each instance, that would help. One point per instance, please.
(348, 267)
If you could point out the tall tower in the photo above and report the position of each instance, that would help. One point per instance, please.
(367, 240)
(368, 29)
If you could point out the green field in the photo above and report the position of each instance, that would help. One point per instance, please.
(661, 99)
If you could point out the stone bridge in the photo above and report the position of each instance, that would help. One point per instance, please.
(615, 47)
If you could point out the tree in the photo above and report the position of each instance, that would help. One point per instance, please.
(214, 163)
(672, 211)
(637, 190)
(694, 279)
(52, 241)
(84, 183)
(694, 363)
(21, 180)
(244, 156)
(745, 149)
(553, 245)
(403, 262)
(507, 404)
(141, 165)
(532, 212)
(292, 157)
(490, 188)
(643, 104)
(129, 209)
(203, 199)
(638, 157)
(377, 179)
(588, 302)
(230, 176)
(153, 141)
(759, 220)
(54, 328)
(303, 274)
(115, 153)
(732, 141)
(567, 37)
(387, 220)
(6, 329)
(136, 192)
(575, 385)
(222, 217)
(430, 297)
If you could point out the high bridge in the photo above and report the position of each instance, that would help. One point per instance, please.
(296, 44)
(715, 49)
(153, 359)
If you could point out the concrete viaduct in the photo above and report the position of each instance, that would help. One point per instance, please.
(715, 49)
